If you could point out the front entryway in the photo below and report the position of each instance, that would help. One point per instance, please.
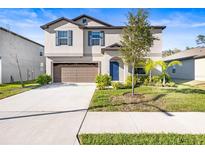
(114, 70)
(75, 72)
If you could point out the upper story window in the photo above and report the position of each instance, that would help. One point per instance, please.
(96, 38)
(64, 38)
(41, 53)
(84, 21)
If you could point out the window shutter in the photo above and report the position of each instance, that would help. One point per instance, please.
(70, 37)
(57, 40)
(89, 38)
(102, 33)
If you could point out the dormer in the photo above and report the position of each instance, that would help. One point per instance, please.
(90, 21)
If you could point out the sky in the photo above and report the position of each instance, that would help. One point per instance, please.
(183, 25)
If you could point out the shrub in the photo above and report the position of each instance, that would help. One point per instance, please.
(43, 79)
(168, 78)
(146, 82)
(142, 79)
(103, 81)
(101, 86)
(128, 82)
(158, 84)
(117, 85)
(171, 84)
(156, 79)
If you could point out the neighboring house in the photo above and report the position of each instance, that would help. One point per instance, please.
(30, 55)
(193, 63)
(78, 49)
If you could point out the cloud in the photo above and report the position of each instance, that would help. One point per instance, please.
(181, 20)
(20, 23)
(27, 13)
(92, 11)
(28, 24)
(48, 14)
(202, 24)
(19, 13)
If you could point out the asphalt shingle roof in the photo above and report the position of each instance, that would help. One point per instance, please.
(191, 53)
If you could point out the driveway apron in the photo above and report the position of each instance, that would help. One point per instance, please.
(48, 115)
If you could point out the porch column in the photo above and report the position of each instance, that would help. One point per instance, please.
(105, 64)
(126, 73)
(49, 67)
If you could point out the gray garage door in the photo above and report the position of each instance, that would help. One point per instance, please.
(75, 72)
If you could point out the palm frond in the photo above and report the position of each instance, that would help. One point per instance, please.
(175, 62)
(162, 64)
(150, 65)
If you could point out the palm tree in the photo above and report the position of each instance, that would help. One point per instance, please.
(165, 66)
(149, 66)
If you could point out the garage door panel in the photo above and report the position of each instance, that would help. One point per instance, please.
(75, 72)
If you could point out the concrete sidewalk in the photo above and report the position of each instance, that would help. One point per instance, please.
(144, 122)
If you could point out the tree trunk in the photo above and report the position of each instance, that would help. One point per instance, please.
(19, 70)
(150, 76)
(133, 72)
(164, 81)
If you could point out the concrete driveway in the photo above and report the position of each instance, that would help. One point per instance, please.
(48, 115)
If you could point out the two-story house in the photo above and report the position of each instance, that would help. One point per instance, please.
(78, 49)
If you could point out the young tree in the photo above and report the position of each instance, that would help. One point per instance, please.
(149, 66)
(164, 66)
(170, 52)
(19, 70)
(200, 39)
(15, 56)
(136, 40)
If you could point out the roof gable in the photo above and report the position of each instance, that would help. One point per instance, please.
(92, 18)
(58, 20)
(104, 24)
(112, 47)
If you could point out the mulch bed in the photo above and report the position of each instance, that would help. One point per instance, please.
(128, 98)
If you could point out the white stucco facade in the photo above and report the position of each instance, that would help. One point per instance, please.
(14, 47)
(200, 69)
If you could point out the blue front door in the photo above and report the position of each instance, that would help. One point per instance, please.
(114, 70)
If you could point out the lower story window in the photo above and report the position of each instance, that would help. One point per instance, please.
(174, 70)
(140, 71)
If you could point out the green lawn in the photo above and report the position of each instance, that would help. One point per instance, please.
(180, 99)
(10, 89)
(142, 139)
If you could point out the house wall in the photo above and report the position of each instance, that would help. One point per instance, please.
(111, 36)
(0, 72)
(64, 50)
(184, 72)
(80, 41)
(114, 36)
(199, 69)
(28, 54)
